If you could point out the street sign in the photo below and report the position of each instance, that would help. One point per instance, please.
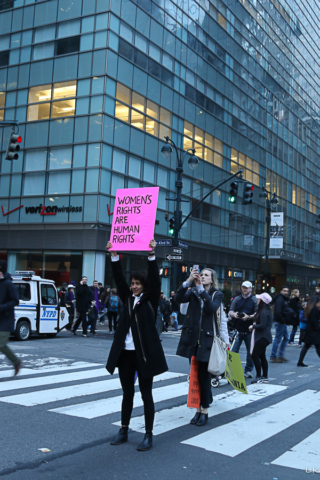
(177, 250)
(183, 245)
(164, 243)
(174, 258)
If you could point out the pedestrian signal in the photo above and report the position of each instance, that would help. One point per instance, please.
(247, 194)
(165, 271)
(13, 147)
(233, 192)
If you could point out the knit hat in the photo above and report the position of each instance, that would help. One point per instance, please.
(3, 266)
(265, 297)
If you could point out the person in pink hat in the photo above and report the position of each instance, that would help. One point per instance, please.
(261, 337)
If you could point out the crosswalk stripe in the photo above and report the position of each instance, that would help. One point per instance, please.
(176, 417)
(63, 393)
(106, 406)
(259, 426)
(47, 369)
(52, 379)
(304, 455)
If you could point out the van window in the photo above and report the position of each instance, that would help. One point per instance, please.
(48, 295)
(23, 290)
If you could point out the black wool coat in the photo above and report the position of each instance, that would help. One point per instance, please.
(197, 330)
(312, 335)
(84, 297)
(8, 300)
(142, 320)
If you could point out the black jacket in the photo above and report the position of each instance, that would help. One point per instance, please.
(84, 297)
(67, 300)
(295, 306)
(197, 330)
(8, 300)
(174, 304)
(142, 320)
(281, 309)
(312, 335)
(167, 310)
(263, 329)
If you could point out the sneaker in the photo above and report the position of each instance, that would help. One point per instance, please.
(283, 360)
(223, 382)
(264, 380)
(248, 375)
(84, 335)
(256, 380)
(275, 360)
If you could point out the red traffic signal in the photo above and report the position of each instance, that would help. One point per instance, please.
(13, 147)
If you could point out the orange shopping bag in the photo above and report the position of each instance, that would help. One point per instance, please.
(194, 387)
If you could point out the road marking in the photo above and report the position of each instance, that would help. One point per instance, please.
(248, 431)
(304, 455)
(106, 406)
(64, 393)
(176, 417)
(49, 380)
(47, 369)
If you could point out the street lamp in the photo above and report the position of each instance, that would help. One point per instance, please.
(270, 202)
(193, 162)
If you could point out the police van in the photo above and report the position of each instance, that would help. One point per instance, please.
(39, 310)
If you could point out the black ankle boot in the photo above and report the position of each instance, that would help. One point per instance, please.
(301, 364)
(195, 418)
(146, 443)
(121, 437)
(202, 420)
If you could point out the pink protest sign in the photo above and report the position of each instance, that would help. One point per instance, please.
(134, 217)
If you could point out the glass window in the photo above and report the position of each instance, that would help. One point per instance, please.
(26, 37)
(126, 32)
(152, 127)
(34, 184)
(199, 135)
(105, 182)
(101, 21)
(69, 9)
(148, 172)
(86, 42)
(59, 182)
(65, 108)
(61, 131)
(87, 24)
(134, 167)
(79, 156)
(42, 34)
(123, 93)
(117, 182)
(45, 12)
(162, 177)
(23, 290)
(93, 155)
(152, 109)
(92, 181)
(66, 29)
(64, 89)
(39, 94)
(68, 45)
(100, 39)
(165, 116)
(2, 99)
(138, 101)
(82, 106)
(40, 111)
(4, 185)
(83, 87)
(48, 295)
(15, 185)
(35, 160)
(137, 119)
(77, 185)
(122, 112)
(119, 161)
(97, 85)
(45, 50)
(96, 104)
(60, 158)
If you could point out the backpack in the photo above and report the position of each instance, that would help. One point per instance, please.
(113, 303)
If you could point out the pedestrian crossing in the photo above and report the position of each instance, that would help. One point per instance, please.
(76, 390)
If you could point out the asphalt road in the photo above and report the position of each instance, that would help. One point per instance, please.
(60, 403)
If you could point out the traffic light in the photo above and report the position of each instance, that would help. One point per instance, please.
(247, 194)
(172, 225)
(233, 192)
(165, 271)
(13, 146)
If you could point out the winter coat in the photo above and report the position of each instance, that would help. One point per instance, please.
(296, 307)
(282, 312)
(84, 297)
(8, 300)
(104, 297)
(263, 328)
(197, 330)
(142, 321)
(174, 304)
(249, 306)
(167, 310)
(67, 300)
(312, 335)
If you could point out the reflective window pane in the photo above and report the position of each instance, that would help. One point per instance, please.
(152, 109)
(122, 112)
(123, 93)
(60, 158)
(59, 182)
(64, 89)
(40, 111)
(93, 155)
(137, 119)
(39, 94)
(64, 108)
(35, 160)
(34, 184)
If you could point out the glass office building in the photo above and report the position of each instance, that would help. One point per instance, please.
(97, 84)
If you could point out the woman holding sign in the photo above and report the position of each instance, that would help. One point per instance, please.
(136, 347)
(197, 330)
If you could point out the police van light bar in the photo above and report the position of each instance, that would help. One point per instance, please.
(25, 273)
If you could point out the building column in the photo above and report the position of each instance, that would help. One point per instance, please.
(100, 267)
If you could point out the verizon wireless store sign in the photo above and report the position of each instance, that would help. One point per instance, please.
(44, 210)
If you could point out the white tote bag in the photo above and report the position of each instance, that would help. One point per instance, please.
(218, 354)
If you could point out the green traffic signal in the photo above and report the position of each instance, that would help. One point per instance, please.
(233, 192)
(232, 199)
(171, 232)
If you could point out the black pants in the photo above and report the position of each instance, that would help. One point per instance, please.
(93, 321)
(259, 357)
(302, 334)
(112, 316)
(71, 318)
(205, 385)
(82, 318)
(128, 366)
(304, 350)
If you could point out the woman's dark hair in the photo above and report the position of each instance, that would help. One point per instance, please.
(237, 292)
(310, 305)
(142, 277)
(261, 307)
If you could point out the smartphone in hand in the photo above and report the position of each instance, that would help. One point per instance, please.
(196, 267)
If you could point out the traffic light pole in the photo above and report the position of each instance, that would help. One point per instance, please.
(269, 202)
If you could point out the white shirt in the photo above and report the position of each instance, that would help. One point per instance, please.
(129, 343)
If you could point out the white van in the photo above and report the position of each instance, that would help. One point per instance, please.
(38, 311)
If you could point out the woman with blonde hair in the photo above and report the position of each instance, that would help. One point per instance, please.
(198, 331)
(296, 307)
